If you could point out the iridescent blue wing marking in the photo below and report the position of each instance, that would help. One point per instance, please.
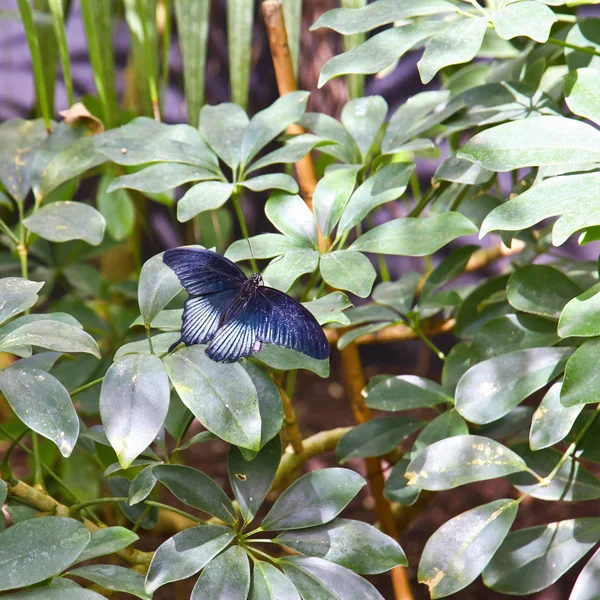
(213, 283)
(292, 326)
(203, 271)
(267, 316)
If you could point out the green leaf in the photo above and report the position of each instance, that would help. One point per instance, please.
(331, 197)
(17, 296)
(581, 315)
(107, 541)
(459, 170)
(583, 33)
(50, 544)
(581, 375)
(398, 295)
(226, 576)
(352, 544)
(265, 245)
(271, 181)
(223, 127)
(318, 579)
(348, 270)
(134, 400)
(56, 592)
(552, 421)
(53, 335)
(509, 333)
(457, 362)
(480, 306)
(20, 140)
(251, 480)
(535, 142)
(115, 578)
(282, 272)
(117, 209)
(363, 118)
(269, 402)
(456, 42)
(192, 26)
(291, 216)
(196, 489)
(582, 92)
(144, 140)
(328, 309)
(68, 163)
(403, 392)
(571, 483)
(269, 583)
(389, 183)
(142, 484)
(294, 150)
(267, 124)
(446, 425)
(158, 285)
(461, 459)
(3, 491)
(43, 404)
(541, 290)
(550, 551)
(206, 195)
(449, 268)
(585, 586)
(531, 19)
(240, 16)
(490, 389)
(186, 553)
(460, 549)
(414, 236)
(375, 437)
(285, 359)
(161, 343)
(119, 487)
(221, 396)
(65, 221)
(349, 21)
(396, 485)
(160, 178)
(314, 499)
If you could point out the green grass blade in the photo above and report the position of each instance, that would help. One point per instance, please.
(240, 17)
(36, 59)
(58, 20)
(356, 81)
(292, 15)
(48, 48)
(97, 20)
(166, 48)
(192, 22)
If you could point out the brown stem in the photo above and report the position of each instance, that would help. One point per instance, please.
(355, 382)
(286, 83)
(292, 431)
(45, 503)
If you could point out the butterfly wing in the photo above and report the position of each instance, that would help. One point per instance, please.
(267, 316)
(203, 271)
(213, 283)
(292, 326)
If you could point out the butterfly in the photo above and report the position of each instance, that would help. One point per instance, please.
(238, 315)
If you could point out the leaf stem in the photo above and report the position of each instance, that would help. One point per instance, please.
(583, 49)
(417, 329)
(261, 553)
(242, 221)
(38, 478)
(147, 327)
(74, 509)
(5, 465)
(174, 510)
(87, 386)
(9, 232)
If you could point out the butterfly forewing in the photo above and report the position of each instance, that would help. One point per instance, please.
(203, 271)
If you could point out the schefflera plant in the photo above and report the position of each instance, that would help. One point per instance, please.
(235, 562)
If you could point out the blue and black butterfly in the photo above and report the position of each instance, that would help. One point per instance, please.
(238, 315)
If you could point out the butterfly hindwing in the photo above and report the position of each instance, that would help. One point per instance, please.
(202, 316)
(203, 271)
(292, 326)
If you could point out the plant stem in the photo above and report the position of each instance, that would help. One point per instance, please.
(242, 222)
(174, 510)
(9, 232)
(261, 553)
(583, 49)
(76, 508)
(290, 423)
(417, 329)
(149, 339)
(5, 465)
(247, 535)
(87, 386)
(38, 478)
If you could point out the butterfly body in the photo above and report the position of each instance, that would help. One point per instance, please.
(236, 315)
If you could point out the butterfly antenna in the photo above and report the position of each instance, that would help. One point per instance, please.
(253, 260)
